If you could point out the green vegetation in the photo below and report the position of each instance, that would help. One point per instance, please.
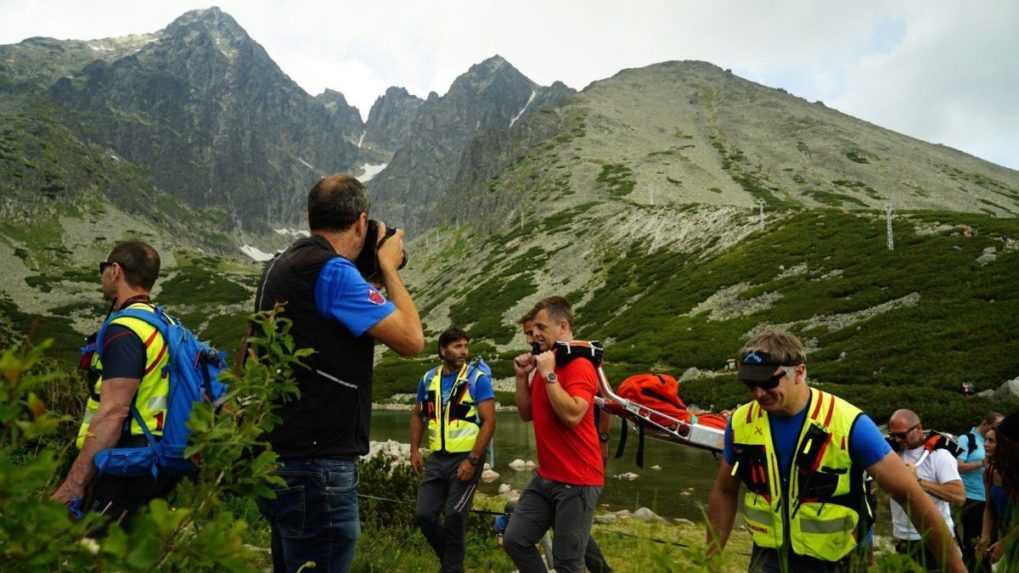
(857, 156)
(834, 199)
(858, 186)
(617, 179)
(484, 306)
(194, 530)
(958, 332)
(752, 180)
(199, 284)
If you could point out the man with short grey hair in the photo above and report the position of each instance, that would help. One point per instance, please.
(937, 473)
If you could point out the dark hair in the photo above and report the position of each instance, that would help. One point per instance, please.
(139, 261)
(527, 317)
(335, 203)
(557, 307)
(451, 335)
(1006, 454)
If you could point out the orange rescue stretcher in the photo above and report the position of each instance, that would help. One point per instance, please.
(673, 424)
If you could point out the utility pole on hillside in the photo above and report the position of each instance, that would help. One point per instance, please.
(760, 214)
(889, 211)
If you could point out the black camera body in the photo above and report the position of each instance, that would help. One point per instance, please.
(368, 261)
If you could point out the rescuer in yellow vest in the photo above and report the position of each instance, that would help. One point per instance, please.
(456, 403)
(801, 454)
(129, 367)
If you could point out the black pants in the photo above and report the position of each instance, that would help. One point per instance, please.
(971, 521)
(771, 561)
(593, 558)
(442, 507)
(119, 498)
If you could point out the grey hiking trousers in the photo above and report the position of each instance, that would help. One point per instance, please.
(568, 509)
(442, 507)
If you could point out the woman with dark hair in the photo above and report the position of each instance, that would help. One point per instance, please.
(999, 539)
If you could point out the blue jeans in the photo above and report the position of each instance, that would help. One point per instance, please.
(314, 517)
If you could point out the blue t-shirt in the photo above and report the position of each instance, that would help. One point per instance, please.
(123, 354)
(974, 479)
(866, 444)
(342, 294)
(480, 390)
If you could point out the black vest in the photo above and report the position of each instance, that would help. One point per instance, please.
(332, 415)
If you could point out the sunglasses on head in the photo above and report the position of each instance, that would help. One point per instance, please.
(902, 435)
(769, 384)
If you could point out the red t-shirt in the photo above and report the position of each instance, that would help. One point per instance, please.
(568, 455)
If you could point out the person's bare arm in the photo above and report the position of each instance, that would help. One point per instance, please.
(953, 491)
(722, 503)
(893, 477)
(522, 367)
(401, 330)
(417, 429)
(104, 432)
(967, 467)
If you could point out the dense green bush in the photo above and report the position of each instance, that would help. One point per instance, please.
(191, 531)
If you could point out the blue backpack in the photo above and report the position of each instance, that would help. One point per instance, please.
(194, 369)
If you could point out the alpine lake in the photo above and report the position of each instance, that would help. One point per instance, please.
(679, 489)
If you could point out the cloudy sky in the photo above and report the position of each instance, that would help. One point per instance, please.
(943, 71)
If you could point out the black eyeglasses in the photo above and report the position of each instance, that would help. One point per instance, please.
(104, 265)
(769, 384)
(902, 435)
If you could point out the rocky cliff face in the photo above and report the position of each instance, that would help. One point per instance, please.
(390, 120)
(488, 96)
(347, 117)
(214, 118)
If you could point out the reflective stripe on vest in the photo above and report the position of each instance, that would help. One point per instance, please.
(453, 426)
(154, 389)
(823, 512)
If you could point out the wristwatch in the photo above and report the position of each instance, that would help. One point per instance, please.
(475, 460)
(552, 378)
(604, 437)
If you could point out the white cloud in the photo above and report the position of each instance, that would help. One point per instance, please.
(940, 70)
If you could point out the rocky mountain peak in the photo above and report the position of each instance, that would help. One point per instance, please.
(346, 115)
(215, 25)
(494, 71)
(390, 119)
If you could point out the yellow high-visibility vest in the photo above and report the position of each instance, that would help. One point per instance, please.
(453, 427)
(154, 388)
(824, 509)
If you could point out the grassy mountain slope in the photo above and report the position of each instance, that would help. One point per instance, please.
(677, 288)
(690, 132)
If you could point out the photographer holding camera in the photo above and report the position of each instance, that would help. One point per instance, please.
(335, 311)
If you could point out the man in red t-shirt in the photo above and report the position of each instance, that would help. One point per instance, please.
(570, 475)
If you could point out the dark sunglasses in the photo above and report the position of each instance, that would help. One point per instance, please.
(902, 435)
(769, 384)
(104, 265)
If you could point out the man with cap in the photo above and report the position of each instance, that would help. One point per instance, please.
(802, 455)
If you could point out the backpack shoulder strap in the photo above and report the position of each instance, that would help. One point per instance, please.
(156, 318)
(971, 443)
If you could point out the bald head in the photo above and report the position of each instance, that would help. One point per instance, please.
(904, 427)
(906, 417)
